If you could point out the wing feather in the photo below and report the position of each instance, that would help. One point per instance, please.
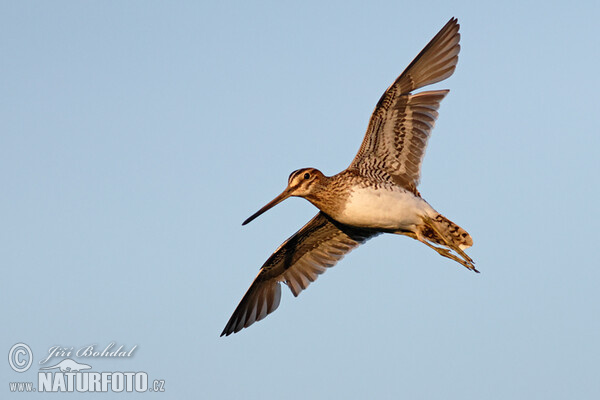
(401, 123)
(320, 244)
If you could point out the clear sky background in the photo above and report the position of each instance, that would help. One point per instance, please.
(135, 137)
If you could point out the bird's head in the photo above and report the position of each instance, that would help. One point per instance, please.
(301, 183)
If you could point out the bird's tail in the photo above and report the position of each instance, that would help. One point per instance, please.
(440, 230)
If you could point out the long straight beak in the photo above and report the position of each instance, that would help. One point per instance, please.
(284, 195)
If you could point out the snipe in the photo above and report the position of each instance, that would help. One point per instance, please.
(376, 194)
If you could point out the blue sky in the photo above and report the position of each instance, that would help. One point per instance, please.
(136, 137)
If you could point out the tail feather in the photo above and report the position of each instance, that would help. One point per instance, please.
(452, 233)
(440, 230)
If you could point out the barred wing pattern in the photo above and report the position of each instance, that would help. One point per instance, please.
(401, 123)
(320, 244)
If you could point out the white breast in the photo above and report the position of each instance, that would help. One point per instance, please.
(384, 208)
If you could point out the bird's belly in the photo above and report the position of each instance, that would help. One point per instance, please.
(384, 209)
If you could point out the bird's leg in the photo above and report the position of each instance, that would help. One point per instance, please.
(407, 233)
(440, 250)
(446, 253)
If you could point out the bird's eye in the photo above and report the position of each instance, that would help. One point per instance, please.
(306, 175)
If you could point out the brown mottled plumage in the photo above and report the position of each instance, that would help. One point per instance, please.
(376, 194)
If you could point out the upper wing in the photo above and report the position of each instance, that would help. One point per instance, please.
(401, 123)
(320, 244)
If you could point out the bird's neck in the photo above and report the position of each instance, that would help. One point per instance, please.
(329, 194)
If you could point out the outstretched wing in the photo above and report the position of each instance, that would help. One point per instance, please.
(401, 123)
(320, 244)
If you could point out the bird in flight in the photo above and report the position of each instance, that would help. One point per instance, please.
(376, 194)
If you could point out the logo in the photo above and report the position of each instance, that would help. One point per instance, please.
(70, 375)
(68, 365)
